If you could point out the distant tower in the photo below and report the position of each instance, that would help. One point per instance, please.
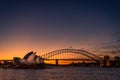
(106, 61)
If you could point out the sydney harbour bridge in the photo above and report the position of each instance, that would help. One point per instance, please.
(72, 55)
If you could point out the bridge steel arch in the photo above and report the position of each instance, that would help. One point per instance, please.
(76, 51)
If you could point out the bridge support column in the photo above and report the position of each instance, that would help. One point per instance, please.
(56, 61)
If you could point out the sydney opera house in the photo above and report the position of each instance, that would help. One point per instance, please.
(29, 59)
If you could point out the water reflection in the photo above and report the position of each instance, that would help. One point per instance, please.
(73, 73)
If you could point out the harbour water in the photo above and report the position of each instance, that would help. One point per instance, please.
(61, 73)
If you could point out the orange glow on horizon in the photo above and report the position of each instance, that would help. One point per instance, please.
(20, 49)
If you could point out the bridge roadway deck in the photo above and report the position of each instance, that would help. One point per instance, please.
(73, 59)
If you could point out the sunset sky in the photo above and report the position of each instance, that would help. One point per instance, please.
(46, 25)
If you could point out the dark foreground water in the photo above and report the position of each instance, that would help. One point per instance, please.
(68, 73)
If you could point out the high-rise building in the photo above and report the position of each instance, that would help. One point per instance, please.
(106, 61)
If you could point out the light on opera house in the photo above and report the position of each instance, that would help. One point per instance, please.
(29, 59)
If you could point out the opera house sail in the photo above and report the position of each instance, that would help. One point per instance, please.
(29, 59)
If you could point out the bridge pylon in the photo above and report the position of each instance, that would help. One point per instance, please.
(56, 62)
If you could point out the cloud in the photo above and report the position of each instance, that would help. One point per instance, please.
(112, 47)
